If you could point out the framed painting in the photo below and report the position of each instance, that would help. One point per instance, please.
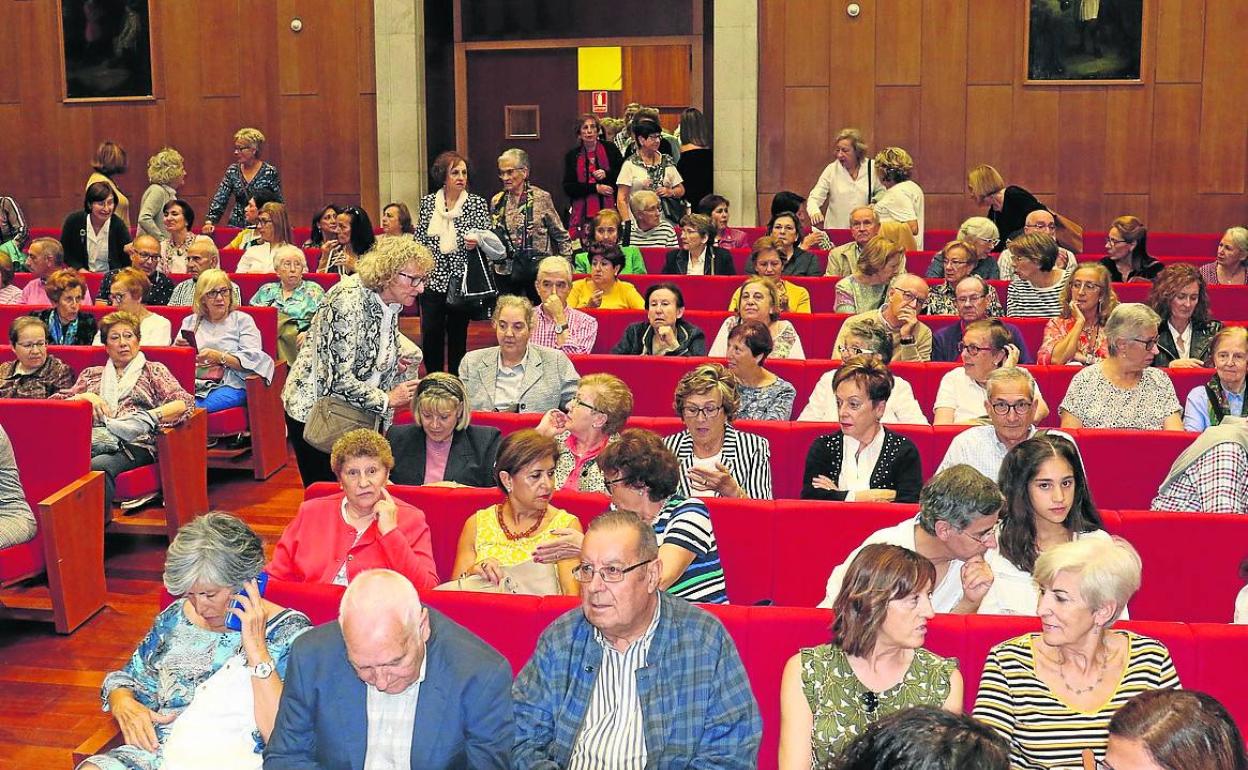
(106, 50)
(1085, 41)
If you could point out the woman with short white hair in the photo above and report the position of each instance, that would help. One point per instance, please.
(1123, 390)
(1231, 264)
(243, 180)
(981, 234)
(1051, 694)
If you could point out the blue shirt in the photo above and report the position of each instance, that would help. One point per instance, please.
(1196, 411)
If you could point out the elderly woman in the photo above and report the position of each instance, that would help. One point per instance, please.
(902, 200)
(324, 228)
(109, 162)
(961, 398)
(1008, 207)
(864, 337)
(698, 255)
(717, 208)
(441, 448)
(864, 461)
(1042, 222)
(1231, 265)
(126, 294)
(515, 376)
(1124, 390)
(764, 396)
(1179, 296)
(866, 288)
(980, 234)
(242, 180)
(1036, 289)
(32, 373)
(665, 332)
(497, 543)
(760, 301)
(652, 170)
(95, 238)
(67, 324)
(602, 289)
(352, 351)
(959, 260)
(226, 342)
(604, 230)
(648, 228)
(527, 214)
(333, 539)
(594, 417)
(212, 567)
(1077, 335)
(355, 239)
(765, 261)
(846, 183)
(716, 459)
(1047, 503)
(450, 222)
(1223, 395)
(1051, 694)
(1126, 252)
(14, 232)
(166, 172)
(273, 225)
(589, 172)
(785, 229)
(178, 217)
(875, 664)
(295, 298)
(1174, 730)
(396, 220)
(132, 398)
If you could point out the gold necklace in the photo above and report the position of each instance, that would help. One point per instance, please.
(1100, 677)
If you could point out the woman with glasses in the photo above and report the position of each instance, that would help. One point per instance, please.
(785, 228)
(959, 259)
(243, 179)
(355, 239)
(875, 664)
(126, 293)
(227, 344)
(1036, 289)
(877, 265)
(1223, 395)
(526, 214)
(590, 169)
(515, 376)
(716, 459)
(295, 298)
(1077, 335)
(980, 234)
(592, 420)
(764, 396)
(250, 235)
(1126, 252)
(66, 323)
(1124, 390)
(1047, 503)
(1230, 267)
(32, 373)
(986, 346)
(273, 224)
(440, 448)
(1179, 296)
(766, 262)
(760, 301)
(864, 461)
(864, 337)
(497, 544)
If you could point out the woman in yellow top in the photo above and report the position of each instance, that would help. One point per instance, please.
(504, 535)
(602, 288)
(765, 256)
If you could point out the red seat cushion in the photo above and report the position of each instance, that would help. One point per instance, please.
(141, 481)
(19, 561)
(228, 422)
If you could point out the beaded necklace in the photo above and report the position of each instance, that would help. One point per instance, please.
(502, 524)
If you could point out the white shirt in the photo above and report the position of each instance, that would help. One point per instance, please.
(693, 267)
(1183, 341)
(1241, 606)
(858, 463)
(945, 596)
(901, 408)
(842, 192)
(97, 246)
(980, 448)
(391, 723)
(964, 395)
(706, 464)
(903, 202)
(507, 383)
(155, 330)
(1013, 591)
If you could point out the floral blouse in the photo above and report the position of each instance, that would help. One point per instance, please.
(770, 402)
(1092, 346)
(155, 387)
(300, 306)
(233, 185)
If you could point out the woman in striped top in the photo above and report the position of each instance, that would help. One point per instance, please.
(1036, 289)
(1052, 694)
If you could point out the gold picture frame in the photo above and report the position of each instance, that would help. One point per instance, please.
(106, 51)
(1086, 42)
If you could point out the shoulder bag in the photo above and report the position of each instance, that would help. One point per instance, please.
(1069, 233)
(475, 292)
(332, 418)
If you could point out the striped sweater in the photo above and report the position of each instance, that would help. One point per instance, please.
(685, 522)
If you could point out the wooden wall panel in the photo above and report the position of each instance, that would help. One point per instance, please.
(991, 135)
(1036, 138)
(218, 65)
(994, 27)
(1223, 121)
(897, 113)
(1176, 120)
(899, 41)
(771, 102)
(1181, 33)
(1127, 112)
(942, 101)
(805, 137)
(806, 36)
(1081, 163)
(658, 75)
(851, 54)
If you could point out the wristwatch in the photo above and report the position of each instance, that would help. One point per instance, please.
(262, 670)
(907, 340)
(561, 328)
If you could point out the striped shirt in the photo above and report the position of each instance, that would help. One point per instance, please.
(1026, 300)
(613, 734)
(685, 522)
(1044, 733)
(662, 235)
(746, 455)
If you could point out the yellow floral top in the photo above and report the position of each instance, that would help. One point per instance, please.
(492, 543)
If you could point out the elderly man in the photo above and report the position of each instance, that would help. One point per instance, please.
(392, 684)
(912, 339)
(649, 229)
(1038, 221)
(44, 258)
(864, 224)
(145, 255)
(956, 525)
(970, 297)
(557, 325)
(1011, 406)
(634, 678)
(201, 255)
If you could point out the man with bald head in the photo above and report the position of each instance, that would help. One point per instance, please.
(145, 255)
(906, 300)
(1038, 221)
(392, 684)
(201, 255)
(864, 224)
(43, 259)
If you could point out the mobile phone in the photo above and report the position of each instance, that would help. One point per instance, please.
(232, 621)
(189, 336)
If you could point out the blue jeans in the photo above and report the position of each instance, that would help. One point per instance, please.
(222, 398)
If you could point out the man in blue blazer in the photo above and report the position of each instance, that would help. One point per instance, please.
(395, 683)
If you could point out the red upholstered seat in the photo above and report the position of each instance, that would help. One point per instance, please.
(1220, 667)
(228, 422)
(1127, 466)
(138, 482)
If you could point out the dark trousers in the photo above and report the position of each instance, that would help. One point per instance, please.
(313, 463)
(114, 464)
(442, 326)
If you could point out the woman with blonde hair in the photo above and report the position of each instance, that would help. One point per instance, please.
(1077, 335)
(243, 180)
(166, 171)
(880, 262)
(766, 262)
(273, 226)
(604, 230)
(848, 182)
(592, 420)
(441, 447)
(1008, 207)
(126, 293)
(902, 200)
(760, 301)
(1231, 263)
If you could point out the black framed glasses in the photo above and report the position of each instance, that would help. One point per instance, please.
(584, 573)
(1004, 407)
(708, 411)
(612, 483)
(974, 350)
(1148, 344)
(414, 280)
(578, 400)
(911, 298)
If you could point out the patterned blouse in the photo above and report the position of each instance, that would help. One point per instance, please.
(591, 475)
(1098, 403)
(1092, 346)
(300, 306)
(770, 402)
(233, 185)
(474, 216)
(853, 296)
(784, 339)
(940, 301)
(843, 708)
(53, 375)
(159, 293)
(155, 387)
(546, 233)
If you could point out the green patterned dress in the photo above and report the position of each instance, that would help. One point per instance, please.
(836, 697)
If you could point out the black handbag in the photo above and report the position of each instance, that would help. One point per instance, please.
(475, 292)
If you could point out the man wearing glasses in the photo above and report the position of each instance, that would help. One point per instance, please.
(634, 677)
(956, 525)
(146, 257)
(201, 255)
(971, 298)
(912, 339)
(1038, 221)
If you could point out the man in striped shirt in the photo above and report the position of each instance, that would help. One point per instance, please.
(634, 678)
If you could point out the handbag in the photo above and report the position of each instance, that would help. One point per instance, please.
(1069, 233)
(527, 577)
(332, 418)
(475, 292)
(215, 730)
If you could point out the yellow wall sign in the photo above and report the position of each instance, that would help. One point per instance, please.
(600, 69)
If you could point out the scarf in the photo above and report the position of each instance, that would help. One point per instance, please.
(1219, 404)
(442, 223)
(114, 388)
(586, 208)
(62, 334)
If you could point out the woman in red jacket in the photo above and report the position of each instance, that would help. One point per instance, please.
(334, 538)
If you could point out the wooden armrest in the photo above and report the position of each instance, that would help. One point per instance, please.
(182, 457)
(72, 523)
(266, 417)
(107, 737)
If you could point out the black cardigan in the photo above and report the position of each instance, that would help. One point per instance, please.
(575, 189)
(638, 338)
(898, 467)
(677, 262)
(471, 461)
(1018, 203)
(74, 241)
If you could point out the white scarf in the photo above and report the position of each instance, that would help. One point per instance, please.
(442, 223)
(113, 388)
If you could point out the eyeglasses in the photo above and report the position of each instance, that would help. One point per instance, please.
(969, 299)
(983, 538)
(220, 293)
(1101, 764)
(708, 411)
(1149, 343)
(1004, 407)
(1045, 226)
(958, 262)
(147, 254)
(1227, 357)
(974, 349)
(911, 298)
(848, 351)
(577, 400)
(415, 280)
(1115, 241)
(1081, 285)
(36, 345)
(507, 173)
(870, 702)
(117, 299)
(625, 480)
(263, 221)
(584, 573)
